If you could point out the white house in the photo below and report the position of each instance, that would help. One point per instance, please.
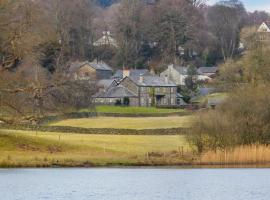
(264, 27)
(176, 74)
(106, 39)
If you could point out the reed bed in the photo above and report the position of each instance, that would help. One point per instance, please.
(252, 154)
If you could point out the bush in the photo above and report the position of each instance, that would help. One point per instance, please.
(242, 119)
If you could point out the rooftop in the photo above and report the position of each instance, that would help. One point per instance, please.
(98, 65)
(115, 92)
(132, 72)
(105, 83)
(151, 81)
(203, 70)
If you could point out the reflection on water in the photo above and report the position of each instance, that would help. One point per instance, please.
(135, 184)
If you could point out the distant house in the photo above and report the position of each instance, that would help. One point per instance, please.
(176, 74)
(141, 90)
(264, 27)
(106, 39)
(264, 32)
(208, 71)
(95, 70)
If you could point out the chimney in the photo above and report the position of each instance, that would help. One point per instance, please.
(126, 72)
(152, 71)
(170, 67)
(166, 79)
(141, 78)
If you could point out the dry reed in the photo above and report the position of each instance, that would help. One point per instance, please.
(253, 154)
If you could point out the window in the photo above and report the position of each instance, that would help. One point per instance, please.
(165, 101)
(164, 90)
(150, 101)
(172, 101)
(143, 89)
(172, 90)
(142, 101)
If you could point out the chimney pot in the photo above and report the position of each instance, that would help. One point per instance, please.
(166, 79)
(170, 67)
(126, 72)
(141, 78)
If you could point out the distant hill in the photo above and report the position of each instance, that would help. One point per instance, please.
(106, 3)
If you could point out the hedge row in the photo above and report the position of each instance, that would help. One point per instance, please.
(79, 115)
(109, 131)
(142, 114)
(76, 115)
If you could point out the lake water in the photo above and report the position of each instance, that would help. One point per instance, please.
(135, 184)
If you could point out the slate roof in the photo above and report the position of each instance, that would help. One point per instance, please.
(181, 70)
(178, 95)
(105, 83)
(152, 81)
(97, 65)
(116, 92)
(206, 70)
(267, 24)
(132, 72)
(100, 65)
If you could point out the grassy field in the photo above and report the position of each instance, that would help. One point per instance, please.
(31, 149)
(128, 122)
(133, 110)
(212, 97)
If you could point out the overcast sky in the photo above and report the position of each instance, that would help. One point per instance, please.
(252, 5)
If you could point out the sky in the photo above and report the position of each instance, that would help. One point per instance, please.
(252, 5)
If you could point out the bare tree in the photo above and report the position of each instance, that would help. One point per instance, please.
(225, 21)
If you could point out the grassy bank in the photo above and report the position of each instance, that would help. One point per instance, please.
(128, 122)
(42, 149)
(31, 149)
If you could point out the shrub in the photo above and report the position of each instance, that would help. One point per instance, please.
(242, 119)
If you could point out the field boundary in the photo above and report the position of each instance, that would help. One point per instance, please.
(79, 115)
(98, 131)
(143, 114)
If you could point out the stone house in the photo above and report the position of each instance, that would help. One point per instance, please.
(95, 70)
(115, 94)
(141, 90)
(151, 90)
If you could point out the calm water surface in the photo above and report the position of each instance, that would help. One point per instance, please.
(135, 184)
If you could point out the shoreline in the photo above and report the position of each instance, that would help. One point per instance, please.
(121, 166)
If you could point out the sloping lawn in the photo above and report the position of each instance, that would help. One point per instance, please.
(212, 97)
(30, 149)
(128, 122)
(133, 110)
